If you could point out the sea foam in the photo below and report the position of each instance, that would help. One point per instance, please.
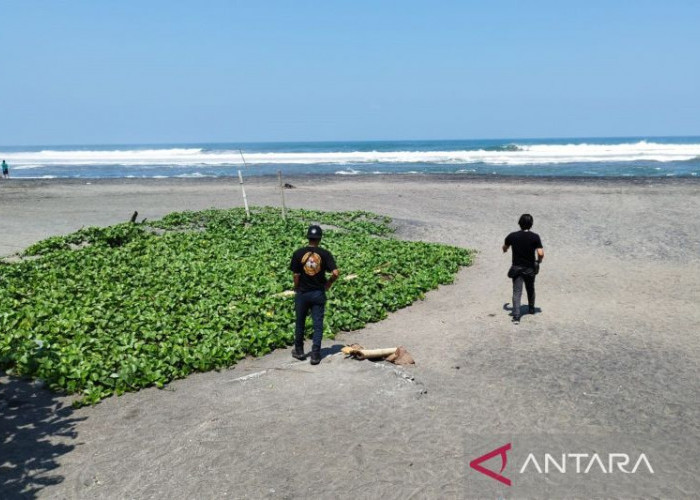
(516, 154)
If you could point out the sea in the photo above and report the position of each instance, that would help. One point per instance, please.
(573, 157)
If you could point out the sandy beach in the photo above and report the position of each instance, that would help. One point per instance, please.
(609, 364)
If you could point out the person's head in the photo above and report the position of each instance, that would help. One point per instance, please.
(525, 221)
(314, 234)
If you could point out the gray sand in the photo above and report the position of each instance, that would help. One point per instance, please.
(609, 365)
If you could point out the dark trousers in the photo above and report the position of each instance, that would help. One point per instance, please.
(518, 291)
(314, 300)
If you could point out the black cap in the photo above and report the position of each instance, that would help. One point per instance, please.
(314, 233)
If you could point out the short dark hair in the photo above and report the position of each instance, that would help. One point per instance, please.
(525, 221)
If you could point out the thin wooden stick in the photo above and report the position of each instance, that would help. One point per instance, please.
(245, 199)
(240, 178)
(284, 204)
(243, 158)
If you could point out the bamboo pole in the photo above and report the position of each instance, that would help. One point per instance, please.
(240, 179)
(284, 204)
(243, 158)
(245, 199)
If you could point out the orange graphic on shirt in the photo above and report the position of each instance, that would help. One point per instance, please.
(312, 263)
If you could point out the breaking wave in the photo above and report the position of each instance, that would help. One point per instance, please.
(511, 154)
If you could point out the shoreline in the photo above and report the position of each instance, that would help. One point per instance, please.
(327, 177)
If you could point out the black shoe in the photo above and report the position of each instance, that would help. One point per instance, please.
(298, 354)
(516, 320)
(315, 357)
(532, 309)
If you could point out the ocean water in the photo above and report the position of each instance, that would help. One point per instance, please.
(601, 157)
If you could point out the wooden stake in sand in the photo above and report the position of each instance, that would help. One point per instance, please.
(284, 204)
(240, 178)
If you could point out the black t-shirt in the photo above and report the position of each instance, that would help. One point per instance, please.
(312, 263)
(524, 244)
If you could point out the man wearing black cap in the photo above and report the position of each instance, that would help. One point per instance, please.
(309, 265)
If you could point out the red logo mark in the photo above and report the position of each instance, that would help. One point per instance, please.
(476, 464)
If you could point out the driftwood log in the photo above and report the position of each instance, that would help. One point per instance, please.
(397, 355)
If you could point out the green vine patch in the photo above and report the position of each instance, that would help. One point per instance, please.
(108, 310)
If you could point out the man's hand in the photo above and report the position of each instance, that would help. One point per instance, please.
(334, 276)
(505, 248)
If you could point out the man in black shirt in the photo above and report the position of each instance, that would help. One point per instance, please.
(309, 265)
(526, 245)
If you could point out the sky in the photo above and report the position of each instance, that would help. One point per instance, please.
(169, 71)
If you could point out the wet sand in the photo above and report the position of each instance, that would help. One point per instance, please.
(609, 364)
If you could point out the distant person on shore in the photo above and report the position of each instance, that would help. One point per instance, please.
(527, 247)
(309, 265)
(5, 170)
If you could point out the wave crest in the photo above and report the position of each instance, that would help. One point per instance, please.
(511, 154)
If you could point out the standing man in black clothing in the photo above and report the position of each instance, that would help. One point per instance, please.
(526, 245)
(309, 265)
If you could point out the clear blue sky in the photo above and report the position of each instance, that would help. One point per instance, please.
(96, 72)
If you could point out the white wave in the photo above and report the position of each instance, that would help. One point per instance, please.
(524, 155)
(193, 175)
(349, 171)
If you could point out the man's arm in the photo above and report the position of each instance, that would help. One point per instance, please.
(333, 269)
(539, 249)
(334, 276)
(295, 267)
(506, 245)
